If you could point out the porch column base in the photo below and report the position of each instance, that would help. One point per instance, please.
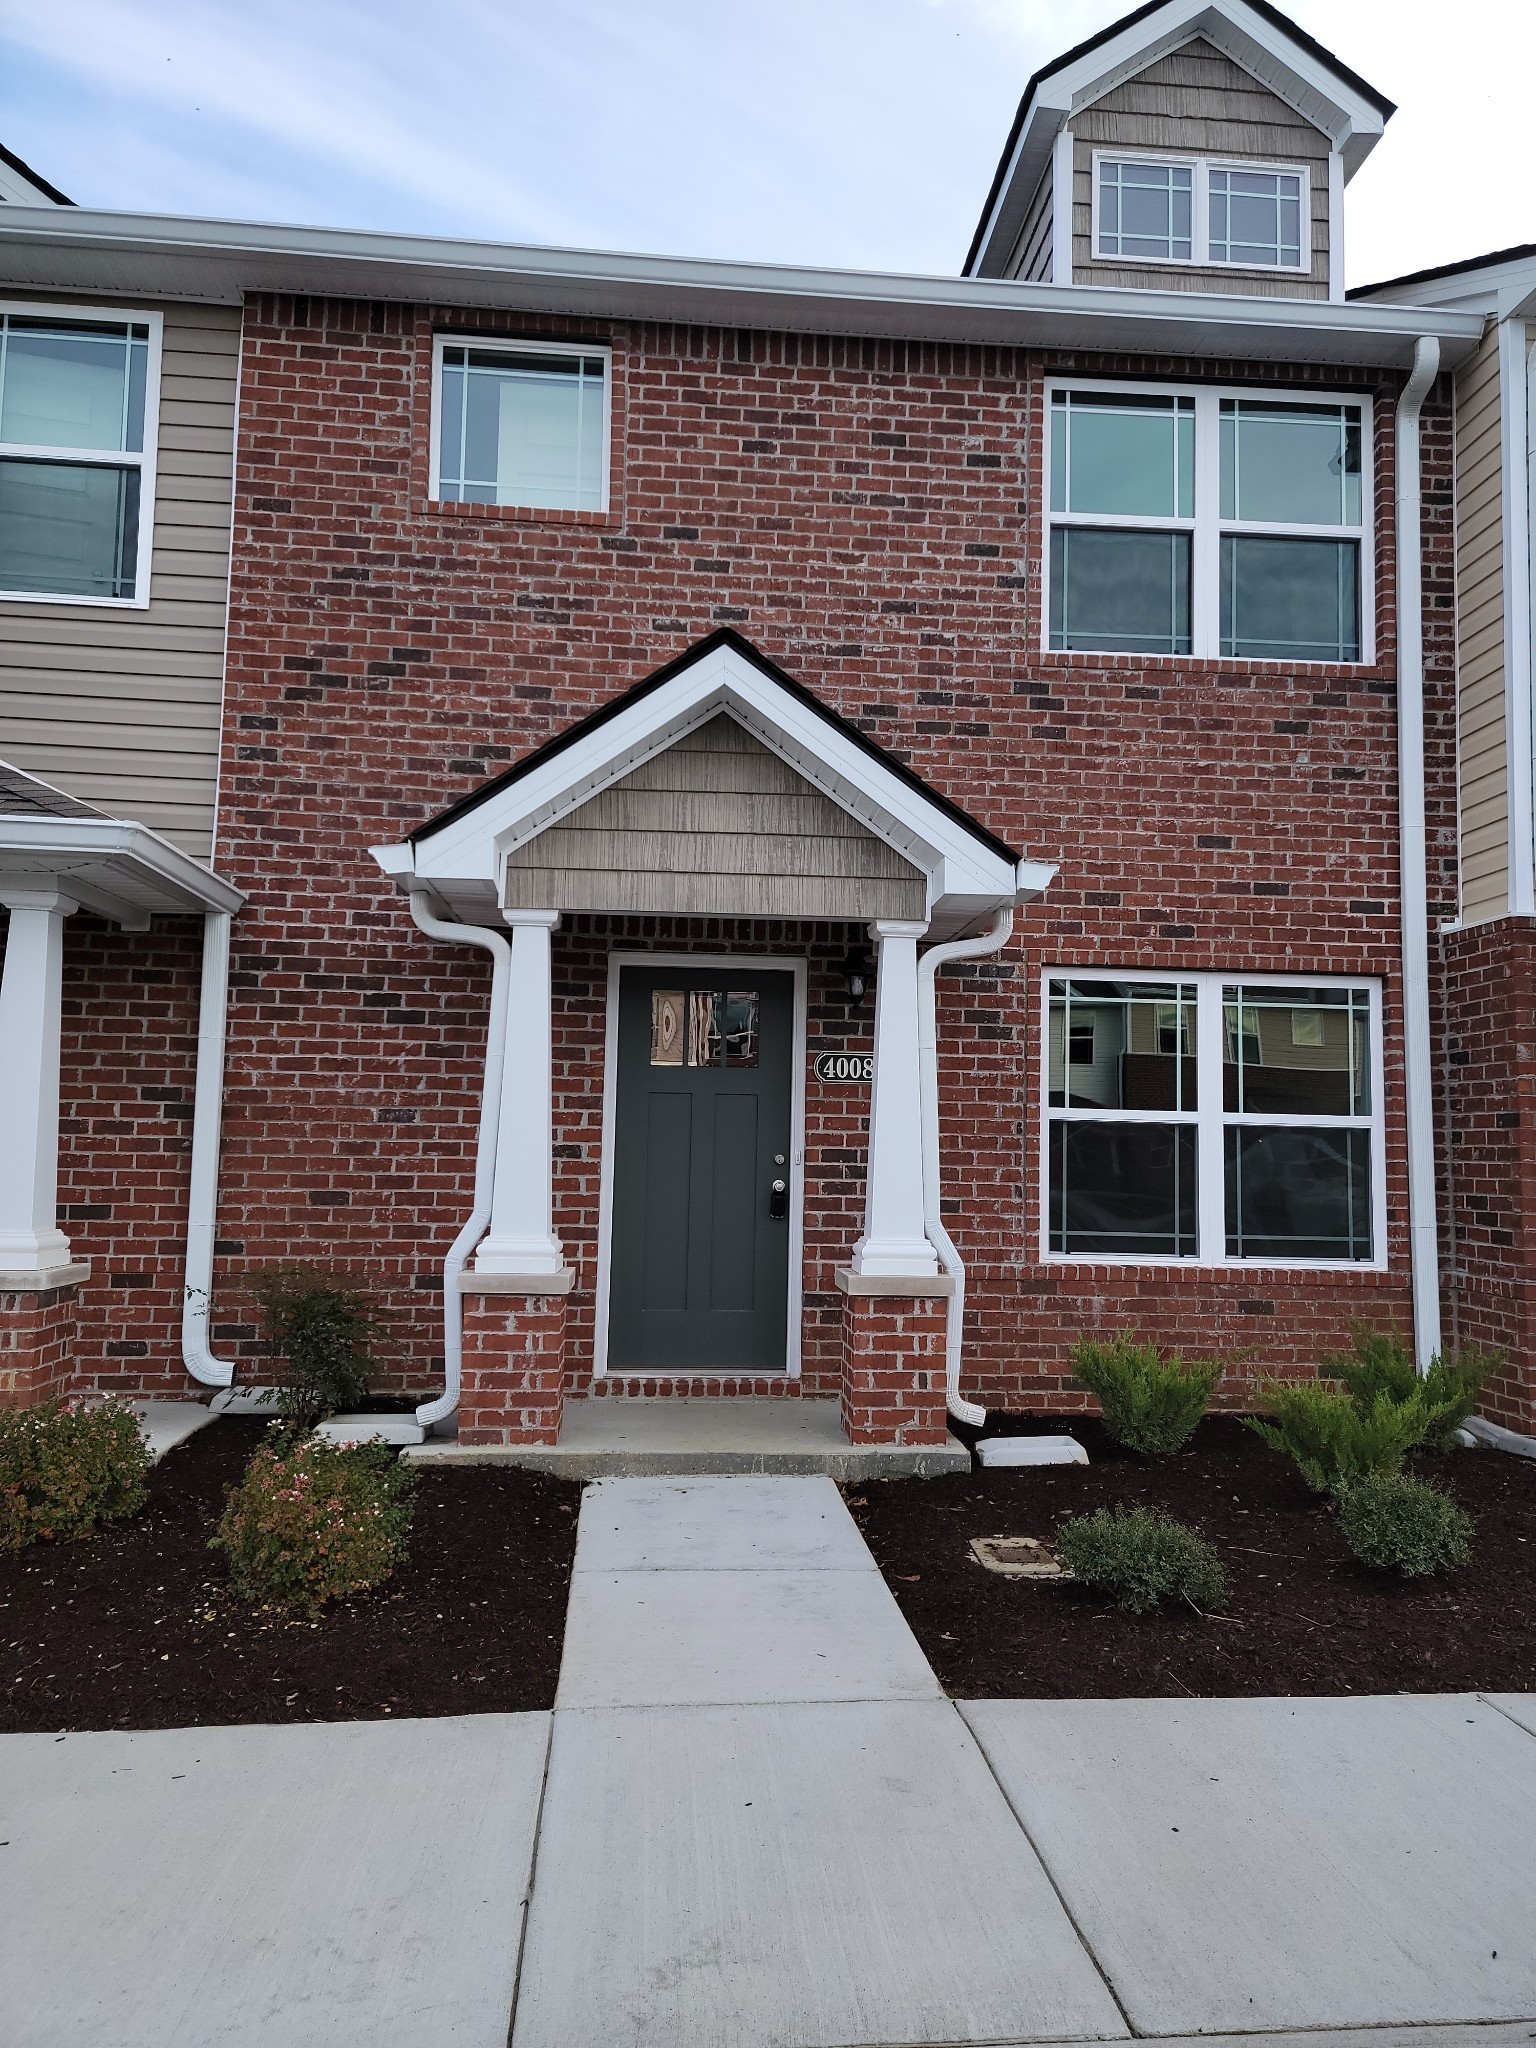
(893, 1358)
(512, 1389)
(37, 1337)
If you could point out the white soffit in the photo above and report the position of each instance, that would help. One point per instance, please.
(963, 865)
(119, 870)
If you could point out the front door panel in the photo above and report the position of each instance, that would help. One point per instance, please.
(699, 1273)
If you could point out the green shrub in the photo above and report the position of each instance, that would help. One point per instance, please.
(327, 1335)
(1139, 1556)
(1335, 1440)
(1398, 1524)
(1150, 1403)
(312, 1521)
(1381, 1364)
(66, 1467)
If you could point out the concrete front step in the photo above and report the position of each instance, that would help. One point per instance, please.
(670, 1437)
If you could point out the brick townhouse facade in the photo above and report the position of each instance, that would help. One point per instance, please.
(778, 832)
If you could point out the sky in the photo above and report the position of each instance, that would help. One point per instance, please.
(850, 133)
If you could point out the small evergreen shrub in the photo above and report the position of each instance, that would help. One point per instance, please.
(1333, 1439)
(1150, 1403)
(1380, 1363)
(312, 1521)
(1139, 1556)
(1398, 1524)
(327, 1336)
(66, 1467)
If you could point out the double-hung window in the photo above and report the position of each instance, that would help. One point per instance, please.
(521, 424)
(1196, 522)
(77, 433)
(1148, 1157)
(1157, 209)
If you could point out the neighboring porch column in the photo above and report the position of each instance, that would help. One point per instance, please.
(894, 1244)
(521, 1238)
(31, 1243)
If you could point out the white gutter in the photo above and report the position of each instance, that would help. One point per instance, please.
(475, 1223)
(203, 1185)
(1422, 1225)
(929, 963)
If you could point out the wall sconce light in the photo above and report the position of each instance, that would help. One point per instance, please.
(858, 972)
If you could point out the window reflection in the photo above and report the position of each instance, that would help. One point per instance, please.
(1122, 1045)
(1296, 1052)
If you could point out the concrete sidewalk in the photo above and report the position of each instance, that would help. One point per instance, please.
(754, 1821)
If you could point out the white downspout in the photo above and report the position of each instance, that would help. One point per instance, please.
(475, 1223)
(1422, 1226)
(203, 1183)
(928, 966)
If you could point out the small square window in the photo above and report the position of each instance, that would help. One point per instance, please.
(1255, 218)
(1146, 211)
(522, 427)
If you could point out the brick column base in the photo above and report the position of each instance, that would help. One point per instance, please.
(37, 1341)
(893, 1366)
(513, 1386)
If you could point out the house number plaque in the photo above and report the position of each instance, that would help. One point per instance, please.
(845, 1066)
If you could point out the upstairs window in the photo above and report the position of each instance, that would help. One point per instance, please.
(1157, 209)
(1193, 523)
(521, 424)
(76, 456)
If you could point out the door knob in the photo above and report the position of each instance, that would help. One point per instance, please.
(778, 1200)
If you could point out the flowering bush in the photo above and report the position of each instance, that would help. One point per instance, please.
(313, 1521)
(65, 1467)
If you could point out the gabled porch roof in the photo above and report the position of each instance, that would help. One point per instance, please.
(462, 854)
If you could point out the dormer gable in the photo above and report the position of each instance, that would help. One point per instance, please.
(1195, 145)
(20, 185)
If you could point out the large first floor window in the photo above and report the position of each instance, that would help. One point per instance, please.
(1207, 523)
(1212, 1118)
(77, 419)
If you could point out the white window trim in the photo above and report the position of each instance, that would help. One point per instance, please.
(146, 460)
(497, 344)
(1211, 1121)
(1205, 564)
(1200, 168)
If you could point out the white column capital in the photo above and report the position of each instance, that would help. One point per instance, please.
(545, 920)
(21, 895)
(897, 928)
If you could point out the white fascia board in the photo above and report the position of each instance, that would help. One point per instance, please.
(220, 261)
(474, 848)
(114, 862)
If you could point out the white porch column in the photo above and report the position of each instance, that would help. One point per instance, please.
(894, 1242)
(30, 1002)
(521, 1237)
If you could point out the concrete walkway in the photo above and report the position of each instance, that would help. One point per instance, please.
(764, 1824)
(754, 1821)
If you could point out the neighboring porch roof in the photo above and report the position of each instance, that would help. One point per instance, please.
(463, 853)
(49, 839)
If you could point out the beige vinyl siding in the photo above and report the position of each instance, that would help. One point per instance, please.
(122, 707)
(715, 826)
(1483, 763)
(1031, 259)
(1196, 101)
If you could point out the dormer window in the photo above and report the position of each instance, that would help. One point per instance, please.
(1157, 209)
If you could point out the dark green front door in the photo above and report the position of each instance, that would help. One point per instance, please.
(699, 1274)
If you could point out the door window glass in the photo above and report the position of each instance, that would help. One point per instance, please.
(669, 1026)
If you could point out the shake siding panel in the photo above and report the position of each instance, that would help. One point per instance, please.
(1483, 767)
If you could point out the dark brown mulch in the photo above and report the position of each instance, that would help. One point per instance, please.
(1304, 1616)
(137, 1626)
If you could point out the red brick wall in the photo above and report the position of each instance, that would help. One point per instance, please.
(868, 515)
(1490, 1253)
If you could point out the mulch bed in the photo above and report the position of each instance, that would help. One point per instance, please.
(137, 1626)
(1304, 1616)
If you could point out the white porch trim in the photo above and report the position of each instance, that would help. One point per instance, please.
(521, 1237)
(31, 988)
(895, 1241)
